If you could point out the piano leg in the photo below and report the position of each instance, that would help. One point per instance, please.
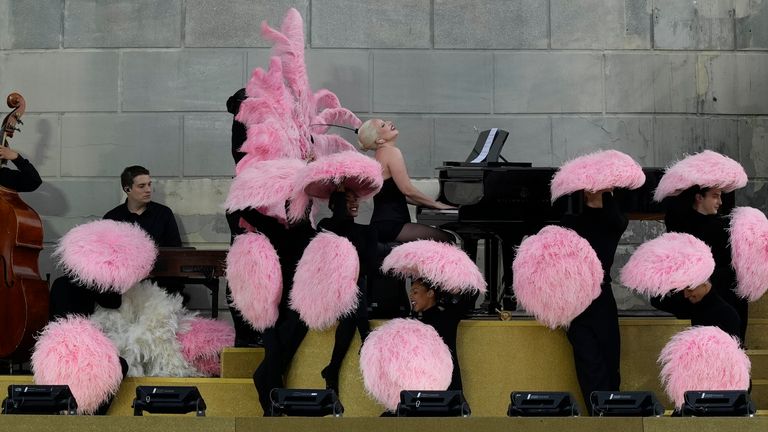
(492, 271)
(213, 285)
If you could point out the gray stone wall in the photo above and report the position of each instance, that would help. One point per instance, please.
(110, 83)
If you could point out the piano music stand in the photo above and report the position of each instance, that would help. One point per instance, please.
(488, 146)
(193, 266)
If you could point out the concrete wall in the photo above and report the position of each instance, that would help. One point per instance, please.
(110, 83)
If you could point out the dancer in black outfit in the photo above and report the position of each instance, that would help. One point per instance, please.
(594, 334)
(345, 207)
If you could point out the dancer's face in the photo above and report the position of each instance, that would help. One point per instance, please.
(709, 203)
(353, 204)
(422, 298)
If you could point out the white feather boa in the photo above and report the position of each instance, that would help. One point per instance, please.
(144, 329)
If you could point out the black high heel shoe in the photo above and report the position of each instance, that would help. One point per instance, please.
(331, 381)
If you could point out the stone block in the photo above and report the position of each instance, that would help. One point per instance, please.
(39, 141)
(548, 82)
(192, 80)
(57, 81)
(207, 145)
(16, 32)
(753, 146)
(235, 23)
(732, 84)
(645, 82)
(674, 137)
(371, 24)
(492, 24)
(429, 81)
(197, 206)
(104, 145)
(699, 25)
(751, 25)
(755, 194)
(576, 136)
(114, 23)
(528, 140)
(601, 24)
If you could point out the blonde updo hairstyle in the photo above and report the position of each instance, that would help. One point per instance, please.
(366, 136)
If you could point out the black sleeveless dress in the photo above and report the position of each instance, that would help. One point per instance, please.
(390, 211)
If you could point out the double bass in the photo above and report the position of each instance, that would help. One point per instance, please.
(23, 294)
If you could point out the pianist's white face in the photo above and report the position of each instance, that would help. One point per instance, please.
(385, 131)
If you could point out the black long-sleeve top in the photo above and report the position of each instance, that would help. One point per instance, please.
(445, 320)
(238, 129)
(26, 179)
(157, 220)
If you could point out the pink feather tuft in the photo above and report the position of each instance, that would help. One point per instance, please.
(705, 169)
(445, 266)
(255, 279)
(404, 354)
(73, 351)
(319, 179)
(668, 263)
(597, 171)
(556, 275)
(702, 358)
(202, 343)
(265, 187)
(107, 255)
(325, 282)
(749, 251)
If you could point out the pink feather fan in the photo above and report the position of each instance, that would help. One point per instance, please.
(705, 169)
(107, 255)
(557, 275)
(325, 282)
(73, 351)
(749, 251)
(319, 179)
(702, 358)
(597, 171)
(404, 354)
(202, 343)
(265, 187)
(668, 263)
(255, 279)
(444, 265)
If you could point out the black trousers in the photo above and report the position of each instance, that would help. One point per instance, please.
(712, 310)
(596, 343)
(345, 331)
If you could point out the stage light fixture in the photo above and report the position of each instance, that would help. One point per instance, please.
(542, 404)
(625, 404)
(168, 400)
(39, 399)
(305, 402)
(431, 403)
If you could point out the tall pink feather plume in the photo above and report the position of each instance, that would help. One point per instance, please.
(557, 275)
(749, 251)
(668, 263)
(203, 341)
(702, 358)
(319, 179)
(325, 99)
(326, 145)
(597, 171)
(325, 282)
(404, 354)
(705, 169)
(265, 187)
(107, 255)
(445, 266)
(73, 351)
(255, 279)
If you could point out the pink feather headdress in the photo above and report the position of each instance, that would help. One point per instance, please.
(702, 358)
(668, 263)
(706, 169)
(325, 282)
(404, 354)
(597, 171)
(557, 275)
(255, 279)
(202, 343)
(73, 351)
(265, 187)
(350, 170)
(107, 255)
(443, 265)
(749, 251)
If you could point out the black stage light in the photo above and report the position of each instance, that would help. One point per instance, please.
(168, 400)
(39, 399)
(625, 404)
(431, 403)
(542, 404)
(305, 402)
(718, 403)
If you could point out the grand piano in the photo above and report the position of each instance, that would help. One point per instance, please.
(502, 202)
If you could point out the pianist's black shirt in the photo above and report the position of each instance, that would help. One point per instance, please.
(26, 179)
(157, 220)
